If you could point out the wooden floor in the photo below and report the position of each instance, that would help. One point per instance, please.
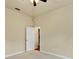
(33, 55)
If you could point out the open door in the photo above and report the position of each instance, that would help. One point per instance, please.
(30, 38)
(37, 42)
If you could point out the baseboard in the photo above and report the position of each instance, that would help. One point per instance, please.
(14, 54)
(64, 57)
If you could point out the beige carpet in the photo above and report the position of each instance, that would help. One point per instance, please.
(33, 55)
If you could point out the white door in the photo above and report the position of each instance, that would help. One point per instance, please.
(30, 38)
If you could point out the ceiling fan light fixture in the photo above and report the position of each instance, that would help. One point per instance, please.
(35, 1)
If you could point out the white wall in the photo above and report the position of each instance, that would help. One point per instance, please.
(56, 31)
(15, 31)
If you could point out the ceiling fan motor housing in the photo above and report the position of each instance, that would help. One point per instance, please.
(34, 2)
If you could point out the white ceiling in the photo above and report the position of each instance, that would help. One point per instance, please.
(41, 8)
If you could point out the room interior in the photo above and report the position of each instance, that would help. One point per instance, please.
(55, 19)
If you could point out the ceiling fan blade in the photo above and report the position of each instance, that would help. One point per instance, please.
(34, 3)
(44, 0)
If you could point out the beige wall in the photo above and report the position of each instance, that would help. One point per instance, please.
(56, 31)
(15, 31)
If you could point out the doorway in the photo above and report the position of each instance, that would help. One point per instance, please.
(32, 39)
(38, 39)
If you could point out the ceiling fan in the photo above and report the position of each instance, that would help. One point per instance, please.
(35, 2)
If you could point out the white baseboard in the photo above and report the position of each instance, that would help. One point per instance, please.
(64, 57)
(14, 54)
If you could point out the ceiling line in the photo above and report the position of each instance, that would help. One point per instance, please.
(33, 13)
(48, 11)
(18, 12)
